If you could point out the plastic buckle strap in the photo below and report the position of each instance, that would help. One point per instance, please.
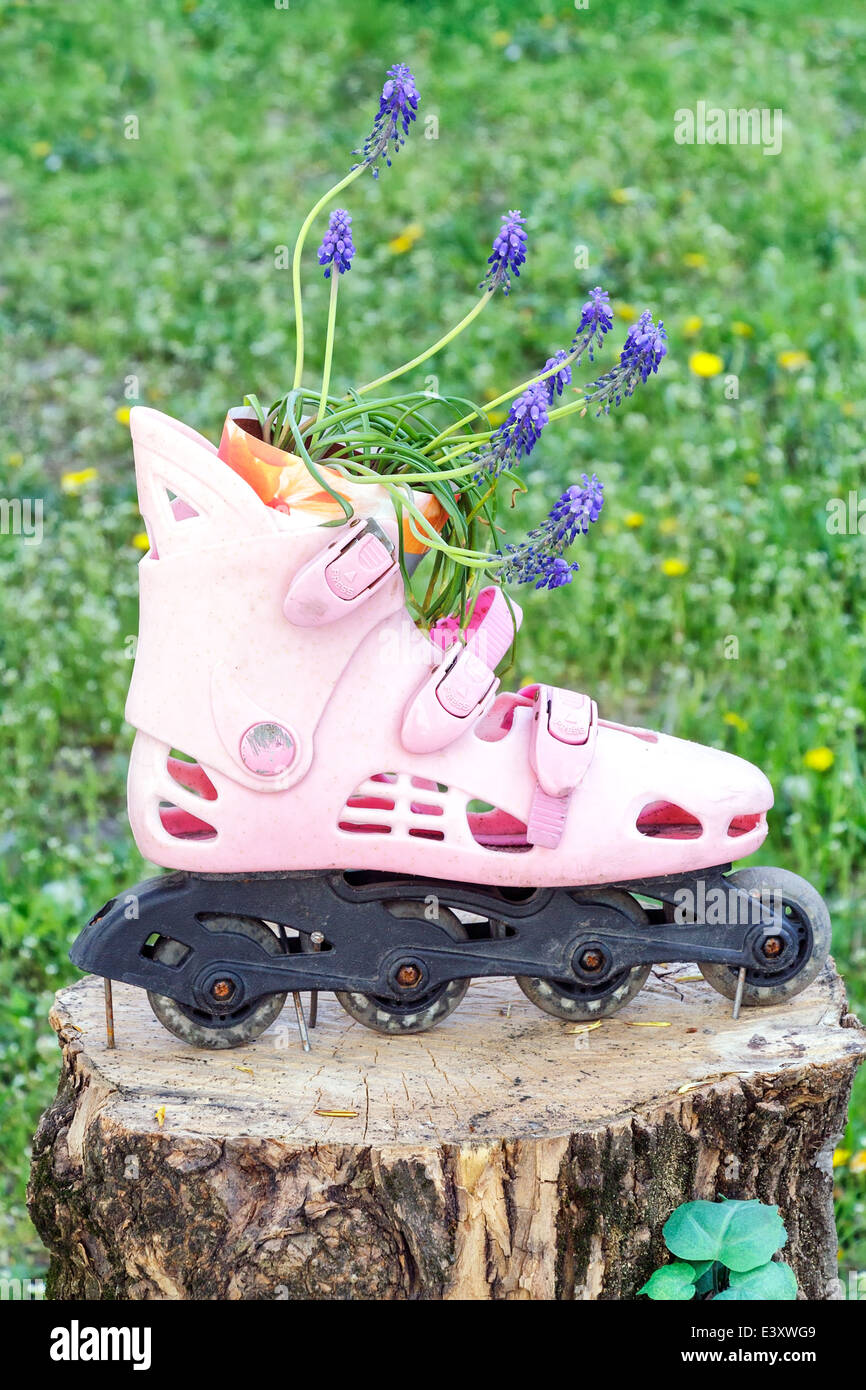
(343, 575)
(562, 748)
(462, 688)
(453, 697)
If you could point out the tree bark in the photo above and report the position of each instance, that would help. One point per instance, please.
(500, 1156)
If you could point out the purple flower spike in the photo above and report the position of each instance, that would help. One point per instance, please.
(557, 383)
(337, 247)
(509, 253)
(526, 419)
(398, 107)
(596, 319)
(642, 353)
(539, 560)
(517, 436)
(645, 346)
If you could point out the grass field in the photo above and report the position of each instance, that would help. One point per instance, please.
(143, 269)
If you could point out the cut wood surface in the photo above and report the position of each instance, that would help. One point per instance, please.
(502, 1155)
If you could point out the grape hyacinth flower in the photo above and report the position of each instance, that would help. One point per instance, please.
(517, 436)
(508, 255)
(596, 319)
(557, 383)
(337, 247)
(398, 107)
(642, 353)
(539, 560)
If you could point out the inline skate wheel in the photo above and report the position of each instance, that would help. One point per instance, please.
(226, 1029)
(583, 1002)
(419, 1013)
(806, 912)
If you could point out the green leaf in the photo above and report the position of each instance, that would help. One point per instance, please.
(672, 1283)
(770, 1281)
(742, 1235)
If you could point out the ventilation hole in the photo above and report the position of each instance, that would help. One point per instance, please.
(424, 784)
(390, 777)
(370, 803)
(741, 825)
(181, 825)
(181, 510)
(175, 957)
(420, 808)
(662, 820)
(189, 774)
(496, 829)
(355, 829)
(422, 833)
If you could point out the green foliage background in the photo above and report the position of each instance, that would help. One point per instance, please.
(154, 258)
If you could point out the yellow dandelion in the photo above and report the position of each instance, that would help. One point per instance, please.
(706, 364)
(840, 1157)
(626, 312)
(41, 149)
(819, 759)
(695, 260)
(858, 1162)
(847, 407)
(752, 478)
(674, 568)
(633, 520)
(736, 721)
(140, 541)
(159, 1116)
(500, 38)
(668, 525)
(405, 240)
(741, 329)
(121, 414)
(623, 195)
(793, 360)
(692, 325)
(73, 482)
(14, 460)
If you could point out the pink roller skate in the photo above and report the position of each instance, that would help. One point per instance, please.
(353, 805)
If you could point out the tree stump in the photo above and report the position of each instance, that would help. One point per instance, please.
(502, 1155)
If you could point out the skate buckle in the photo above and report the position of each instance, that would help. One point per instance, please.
(345, 574)
(463, 686)
(562, 748)
(458, 692)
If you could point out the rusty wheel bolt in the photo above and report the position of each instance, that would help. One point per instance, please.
(408, 976)
(772, 946)
(222, 990)
(592, 960)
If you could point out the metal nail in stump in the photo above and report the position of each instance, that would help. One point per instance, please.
(318, 940)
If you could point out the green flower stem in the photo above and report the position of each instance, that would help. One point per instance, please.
(329, 341)
(473, 559)
(410, 479)
(507, 396)
(296, 265)
(443, 342)
(562, 410)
